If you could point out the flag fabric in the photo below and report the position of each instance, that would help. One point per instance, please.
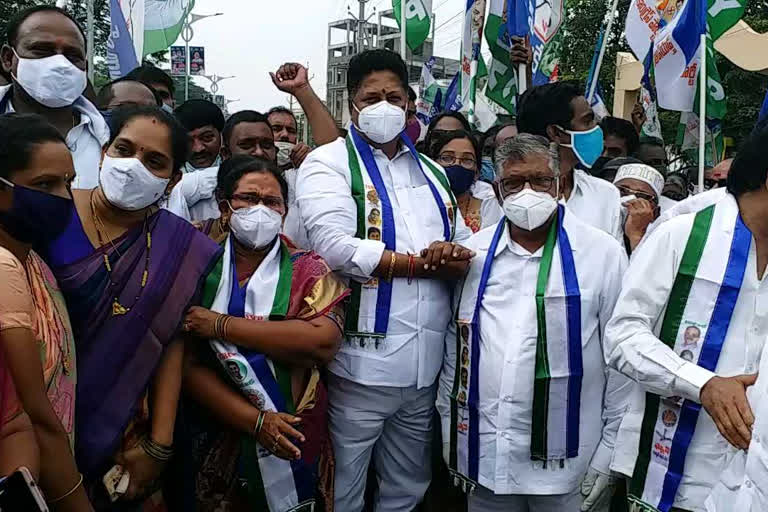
(429, 90)
(418, 17)
(597, 103)
(643, 21)
(474, 19)
(163, 22)
(652, 127)
(546, 39)
(452, 97)
(121, 54)
(676, 57)
(688, 139)
(502, 76)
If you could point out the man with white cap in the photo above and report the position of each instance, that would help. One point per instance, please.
(640, 188)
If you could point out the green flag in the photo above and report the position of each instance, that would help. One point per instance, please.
(502, 77)
(688, 139)
(163, 22)
(418, 15)
(722, 15)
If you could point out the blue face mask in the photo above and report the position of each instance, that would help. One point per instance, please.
(35, 218)
(461, 178)
(587, 146)
(487, 172)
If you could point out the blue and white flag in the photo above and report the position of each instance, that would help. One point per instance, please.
(677, 59)
(452, 102)
(121, 53)
(597, 103)
(648, 99)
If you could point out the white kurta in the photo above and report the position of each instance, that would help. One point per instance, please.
(85, 140)
(634, 349)
(743, 486)
(508, 331)
(597, 203)
(490, 211)
(412, 352)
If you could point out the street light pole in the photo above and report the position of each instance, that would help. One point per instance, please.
(187, 34)
(215, 79)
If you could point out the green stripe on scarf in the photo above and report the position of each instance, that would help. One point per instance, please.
(542, 374)
(211, 285)
(257, 498)
(283, 292)
(447, 186)
(678, 298)
(358, 194)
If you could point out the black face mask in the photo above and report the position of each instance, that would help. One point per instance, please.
(35, 218)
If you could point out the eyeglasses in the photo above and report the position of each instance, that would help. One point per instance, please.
(515, 184)
(271, 202)
(447, 159)
(625, 191)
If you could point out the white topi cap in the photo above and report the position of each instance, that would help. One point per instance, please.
(641, 172)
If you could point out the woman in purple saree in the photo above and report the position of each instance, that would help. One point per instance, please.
(129, 272)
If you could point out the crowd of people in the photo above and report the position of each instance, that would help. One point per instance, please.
(201, 313)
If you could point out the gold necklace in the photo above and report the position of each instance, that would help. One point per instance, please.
(117, 308)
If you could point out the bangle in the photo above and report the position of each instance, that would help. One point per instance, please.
(225, 326)
(155, 450)
(219, 326)
(411, 267)
(259, 423)
(391, 271)
(70, 492)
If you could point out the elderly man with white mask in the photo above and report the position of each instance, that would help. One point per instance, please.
(640, 188)
(383, 215)
(529, 408)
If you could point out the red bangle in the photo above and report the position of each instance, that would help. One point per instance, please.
(411, 267)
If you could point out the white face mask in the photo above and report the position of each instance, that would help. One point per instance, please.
(128, 185)
(624, 212)
(529, 209)
(255, 226)
(381, 122)
(51, 81)
(284, 153)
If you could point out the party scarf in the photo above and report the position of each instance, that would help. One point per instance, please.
(368, 311)
(695, 325)
(274, 484)
(558, 370)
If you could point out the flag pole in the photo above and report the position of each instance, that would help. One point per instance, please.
(702, 108)
(403, 34)
(601, 53)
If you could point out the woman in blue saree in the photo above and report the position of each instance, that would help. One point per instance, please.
(129, 271)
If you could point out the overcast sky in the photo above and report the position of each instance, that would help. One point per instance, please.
(256, 36)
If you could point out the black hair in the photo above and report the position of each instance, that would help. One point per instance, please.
(12, 29)
(411, 94)
(429, 139)
(649, 141)
(19, 134)
(194, 114)
(442, 139)
(244, 116)
(178, 135)
(233, 169)
(749, 169)
(545, 105)
(370, 61)
(281, 110)
(106, 93)
(622, 129)
(150, 74)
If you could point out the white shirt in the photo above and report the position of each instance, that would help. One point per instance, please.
(666, 204)
(293, 226)
(490, 211)
(596, 202)
(634, 349)
(85, 140)
(743, 486)
(508, 332)
(412, 352)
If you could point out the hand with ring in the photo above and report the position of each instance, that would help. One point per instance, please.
(275, 432)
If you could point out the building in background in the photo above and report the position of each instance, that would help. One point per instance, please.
(348, 36)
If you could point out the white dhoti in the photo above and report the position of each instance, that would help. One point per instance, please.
(484, 500)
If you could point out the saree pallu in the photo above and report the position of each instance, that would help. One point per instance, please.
(219, 457)
(118, 354)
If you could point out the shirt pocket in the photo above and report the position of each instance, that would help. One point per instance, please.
(425, 212)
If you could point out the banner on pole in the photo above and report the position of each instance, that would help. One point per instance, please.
(546, 38)
(163, 22)
(196, 60)
(418, 19)
(502, 86)
(121, 55)
(688, 139)
(474, 19)
(178, 61)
